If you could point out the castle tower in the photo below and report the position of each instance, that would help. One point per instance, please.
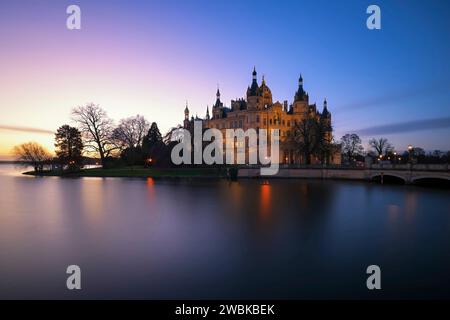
(207, 113)
(253, 92)
(217, 106)
(326, 119)
(301, 98)
(266, 95)
(186, 117)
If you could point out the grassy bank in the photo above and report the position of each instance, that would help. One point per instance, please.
(137, 172)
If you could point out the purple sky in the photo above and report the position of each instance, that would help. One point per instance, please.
(149, 57)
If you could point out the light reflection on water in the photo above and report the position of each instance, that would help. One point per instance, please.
(150, 238)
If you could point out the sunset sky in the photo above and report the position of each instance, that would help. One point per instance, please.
(149, 57)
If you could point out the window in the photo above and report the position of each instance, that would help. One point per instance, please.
(270, 121)
(257, 118)
(240, 123)
(288, 123)
(265, 121)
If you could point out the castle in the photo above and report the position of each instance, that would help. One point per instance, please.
(259, 111)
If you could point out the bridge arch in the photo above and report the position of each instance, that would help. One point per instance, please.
(388, 177)
(432, 180)
(431, 177)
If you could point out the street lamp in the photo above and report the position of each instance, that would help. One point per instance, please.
(410, 151)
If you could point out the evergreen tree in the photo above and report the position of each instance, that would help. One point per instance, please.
(153, 146)
(69, 146)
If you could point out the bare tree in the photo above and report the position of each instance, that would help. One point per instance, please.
(34, 153)
(130, 132)
(351, 145)
(174, 134)
(305, 138)
(381, 146)
(96, 128)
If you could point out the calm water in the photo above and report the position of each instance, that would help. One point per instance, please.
(137, 238)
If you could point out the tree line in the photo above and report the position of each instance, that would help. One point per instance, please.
(134, 141)
(380, 149)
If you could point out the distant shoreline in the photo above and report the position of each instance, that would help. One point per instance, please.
(137, 172)
(11, 162)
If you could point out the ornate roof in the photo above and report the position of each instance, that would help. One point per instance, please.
(253, 90)
(300, 94)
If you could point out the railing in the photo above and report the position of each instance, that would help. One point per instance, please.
(400, 167)
(412, 167)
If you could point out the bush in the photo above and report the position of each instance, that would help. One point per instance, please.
(132, 156)
(110, 163)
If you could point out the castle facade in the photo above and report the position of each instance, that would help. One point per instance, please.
(258, 111)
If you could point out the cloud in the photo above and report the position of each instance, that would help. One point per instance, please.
(409, 126)
(404, 94)
(26, 129)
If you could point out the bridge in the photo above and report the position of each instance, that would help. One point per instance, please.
(403, 173)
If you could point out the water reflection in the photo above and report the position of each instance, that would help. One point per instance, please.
(410, 206)
(265, 202)
(157, 238)
(151, 188)
(87, 195)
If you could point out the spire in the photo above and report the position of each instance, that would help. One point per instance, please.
(186, 111)
(300, 94)
(207, 112)
(325, 112)
(254, 88)
(218, 103)
(263, 81)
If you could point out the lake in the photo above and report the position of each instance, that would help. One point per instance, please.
(160, 239)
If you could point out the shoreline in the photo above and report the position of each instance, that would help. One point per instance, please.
(134, 173)
(364, 175)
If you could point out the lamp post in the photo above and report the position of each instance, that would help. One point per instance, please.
(410, 151)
